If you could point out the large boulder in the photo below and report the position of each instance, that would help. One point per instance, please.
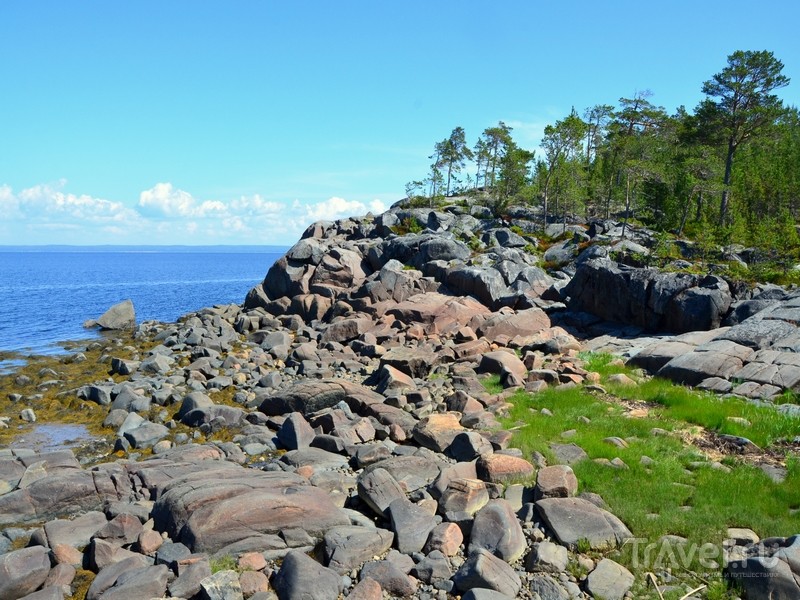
(235, 506)
(575, 519)
(23, 571)
(119, 316)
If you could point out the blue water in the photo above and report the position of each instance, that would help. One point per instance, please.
(47, 293)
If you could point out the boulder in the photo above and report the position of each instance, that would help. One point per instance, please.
(484, 570)
(412, 524)
(496, 528)
(575, 519)
(302, 578)
(119, 316)
(23, 571)
(609, 580)
(209, 512)
(348, 547)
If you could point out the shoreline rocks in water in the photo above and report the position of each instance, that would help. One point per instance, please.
(120, 316)
(333, 436)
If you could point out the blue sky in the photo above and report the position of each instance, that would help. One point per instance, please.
(243, 122)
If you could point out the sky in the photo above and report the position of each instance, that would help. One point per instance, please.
(201, 123)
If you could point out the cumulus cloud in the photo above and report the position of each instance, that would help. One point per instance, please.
(165, 200)
(164, 214)
(48, 204)
(339, 208)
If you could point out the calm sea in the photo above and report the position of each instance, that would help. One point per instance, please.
(46, 293)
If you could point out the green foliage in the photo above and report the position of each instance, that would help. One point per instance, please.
(226, 562)
(408, 225)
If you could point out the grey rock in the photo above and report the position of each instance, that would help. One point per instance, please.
(548, 588)
(134, 584)
(484, 570)
(109, 576)
(146, 435)
(348, 547)
(609, 580)
(497, 529)
(392, 579)
(574, 519)
(119, 316)
(187, 584)
(411, 524)
(302, 578)
(295, 432)
(547, 557)
(222, 585)
(23, 571)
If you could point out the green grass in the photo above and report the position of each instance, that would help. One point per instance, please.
(492, 384)
(671, 496)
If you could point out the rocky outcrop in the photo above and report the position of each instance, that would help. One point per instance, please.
(647, 298)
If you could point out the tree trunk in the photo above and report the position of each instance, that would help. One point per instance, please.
(627, 203)
(723, 205)
(449, 172)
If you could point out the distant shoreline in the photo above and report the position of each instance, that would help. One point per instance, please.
(265, 249)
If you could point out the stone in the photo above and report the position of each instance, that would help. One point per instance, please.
(469, 445)
(557, 481)
(446, 538)
(568, 454)
(295, 432)
(76, 532)
(434, 569)
(211, 511)
(378, 489)
(718, 358)
(500, 361)
(145, 582)
(497, 529)
(348, 547)
(609, 580)
(149, 542)
(484, 570)
(575, 519)
(392, 579)
(222, 585)
(146, 435)
(464, 495)
(253, 582)
(411, 524)
(546, 586)
(484, 594)
(120, 316)
(190, 576)
(547, 557)
(23, 571)
(499, 468)
(366, 589)
(436, 432)
(108, 576)
(302, 578)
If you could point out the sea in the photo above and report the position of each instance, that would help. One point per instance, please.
(48, 292)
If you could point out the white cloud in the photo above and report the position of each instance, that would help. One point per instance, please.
(164, 214)
(339, 208)
(48, 204)
(163, 199)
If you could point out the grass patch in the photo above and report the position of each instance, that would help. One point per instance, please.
(492, 384)
(675, 490)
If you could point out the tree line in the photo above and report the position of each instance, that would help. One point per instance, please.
(729, 169)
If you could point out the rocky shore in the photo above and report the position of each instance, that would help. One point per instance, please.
(332, 436)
